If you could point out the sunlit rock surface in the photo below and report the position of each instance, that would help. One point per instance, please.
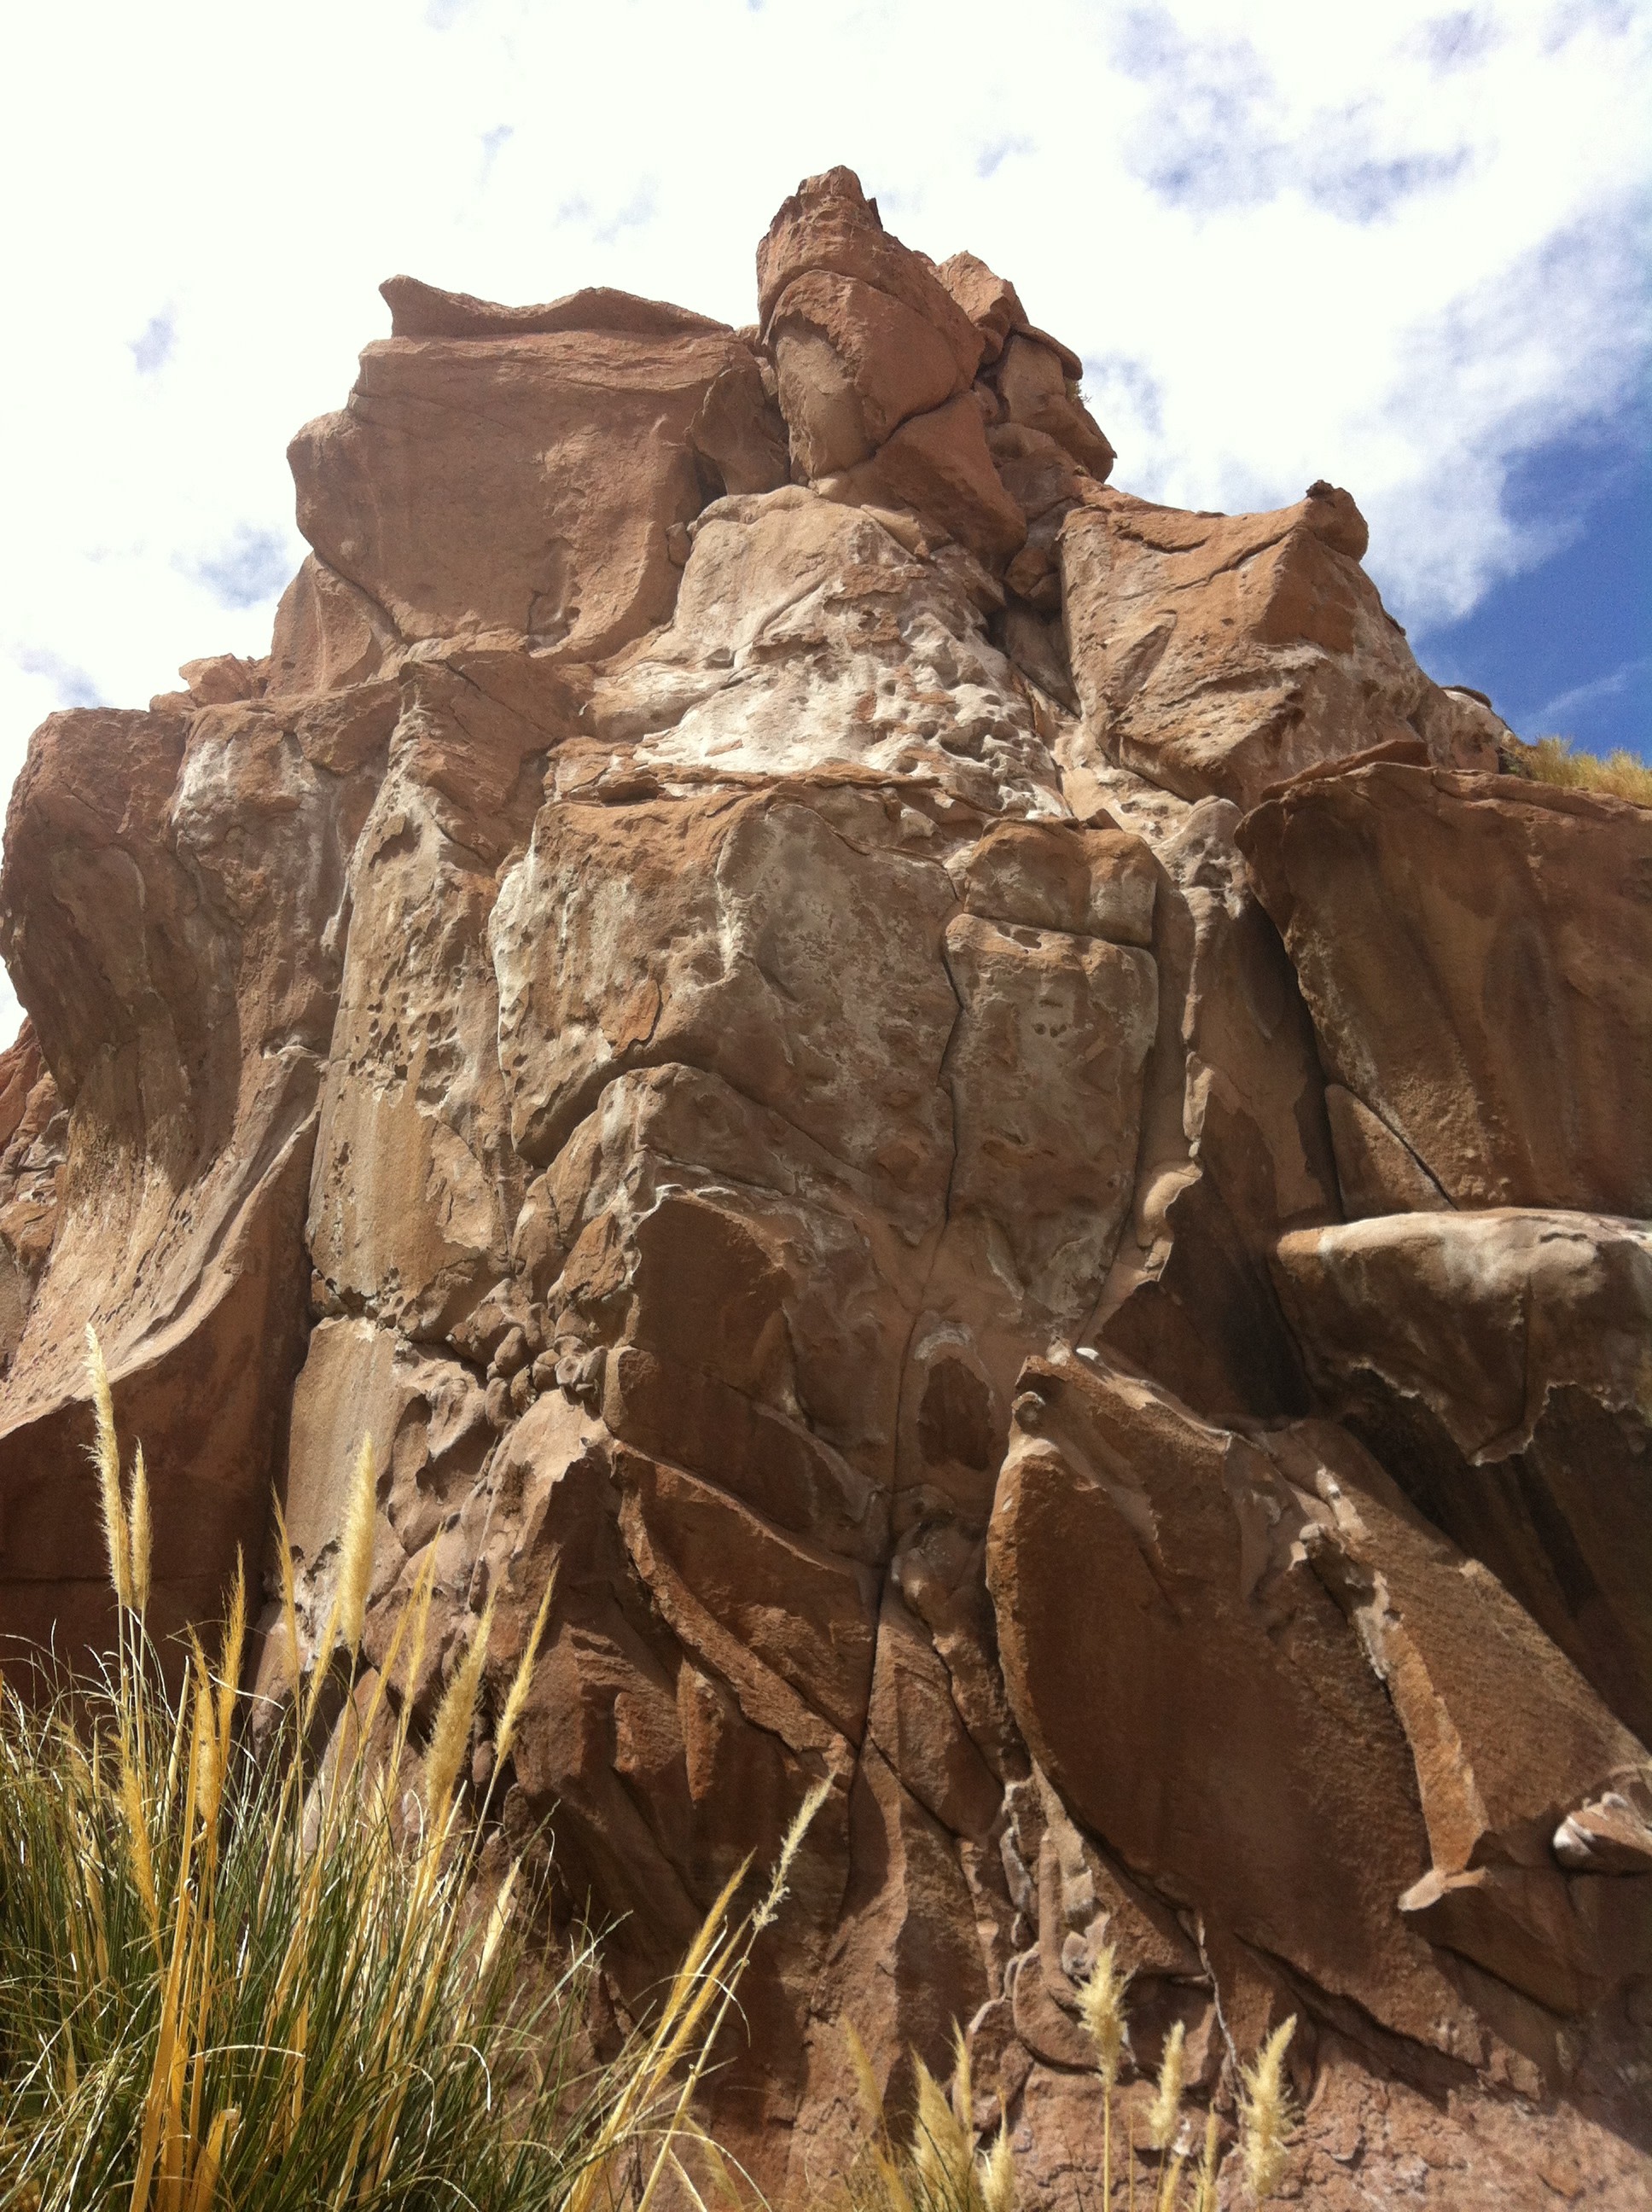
(970, 1107)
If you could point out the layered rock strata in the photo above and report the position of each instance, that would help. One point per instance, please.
(969, 1106)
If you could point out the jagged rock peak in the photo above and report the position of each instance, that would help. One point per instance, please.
(969, 1105)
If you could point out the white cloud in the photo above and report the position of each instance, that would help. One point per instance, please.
(1398, 246)
(1556, 711)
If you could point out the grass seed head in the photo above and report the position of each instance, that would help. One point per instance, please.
(141, 1534)
(498, 1919)
(522, 1681)
(942, 2152)
(452, 1732)
(1204, 2188)
(1166, 2114)
(136, 1817)
(106, 1452)
(356, 1552)
(1267, 2121)
(1101, 2007)
(996, 2174)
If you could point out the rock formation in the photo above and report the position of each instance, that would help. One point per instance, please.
(976, 1110)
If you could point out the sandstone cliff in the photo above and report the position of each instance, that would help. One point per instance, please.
(974, 1107)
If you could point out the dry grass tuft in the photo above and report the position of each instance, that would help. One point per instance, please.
(228, 1981)
(938, 2168)
(1557, 761)
(1266, 2119)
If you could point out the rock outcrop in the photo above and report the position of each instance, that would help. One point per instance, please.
(972, 1109)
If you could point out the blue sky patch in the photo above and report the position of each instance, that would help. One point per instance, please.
(1565, 648)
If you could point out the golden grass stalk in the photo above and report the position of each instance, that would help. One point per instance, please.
(517, 1698)
(1101, 2007)
(230, 1656)
(348, 1612)
(294, 1661)
(1204, 2189)
(136, 1817)
(943, 2151)
(996, 2174)
(419, 1612)
(204, 2188)
(106, 1452)
(1266, 2119)
(1102, 2010)
(140, 1534)
(498, 1919)
(229, 1989)
(1165, 2116)
(356, 1550)
(452, 1732)
(689, 2011)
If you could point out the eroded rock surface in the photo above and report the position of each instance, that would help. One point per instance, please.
(973, 1109)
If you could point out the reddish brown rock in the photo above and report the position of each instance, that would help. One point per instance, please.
(1474, 951)
(938, 465)
(1497, 1361)
(1147, 1596)
(828, 224)
(992, 302)
(1218, 654)
(853, 365)
(33, 1127)
(469, 490)
(714, 998)
(1035, 388)
(418, 310)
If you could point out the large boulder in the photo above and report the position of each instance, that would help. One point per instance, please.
(1474, 949)
(715, 996)
(514, 489)
(1220, 654)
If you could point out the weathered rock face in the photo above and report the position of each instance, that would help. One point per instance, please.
(973, 1109)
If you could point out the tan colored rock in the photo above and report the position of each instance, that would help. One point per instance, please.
(1500, 1357)
(1503, 1728)
(418, 310)
(1613, 1832)
(1218, 654)
(1566, 1943)
(992, 302)
(938, 466)
(1376, 1172)
(223, 678)
(1473, 949)
(328, 635)
(873, 355)
(731, 909)
(1144, 1598)
(1233, 1134)
(1045, 1067)
(739, 434)
(33, 1128)
(731, 1025)
(1095, 882)
(1032, 382)
(828, 224)
(159, 871)
(809, 635)
(469, 488)
(853, 365)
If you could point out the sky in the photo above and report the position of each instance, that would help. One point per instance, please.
(1402, 246)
